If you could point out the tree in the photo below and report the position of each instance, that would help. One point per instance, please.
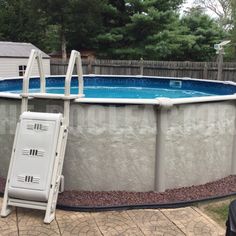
(153, 30)
(111, 36)
(18, 22)
(225, 11)
(206, 33)
(221, 8)
(233, 31)
(58, 14)
(119, 29)
(142, 21)
(74, 22)
(86, 23)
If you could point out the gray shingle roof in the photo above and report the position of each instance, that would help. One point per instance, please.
(19, 50)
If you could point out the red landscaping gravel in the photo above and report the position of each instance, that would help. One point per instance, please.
(115, 198)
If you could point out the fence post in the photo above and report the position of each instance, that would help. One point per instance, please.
(141, 66)
(220, 64)
(205, 71)
(90, 66)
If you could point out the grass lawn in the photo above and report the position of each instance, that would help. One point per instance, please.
(217, 210)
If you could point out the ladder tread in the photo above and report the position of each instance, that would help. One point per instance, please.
(27, 204)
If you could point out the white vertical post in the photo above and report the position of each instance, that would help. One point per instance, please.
(41, 73)
(233, 160)
(160, 147)
(80, 73)
(165, 105)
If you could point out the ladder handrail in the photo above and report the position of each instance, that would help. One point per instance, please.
(34, 55)
(75, 58)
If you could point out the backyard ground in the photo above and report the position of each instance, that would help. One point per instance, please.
(188, 221)
(217, 210)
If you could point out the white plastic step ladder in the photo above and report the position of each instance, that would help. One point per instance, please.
(34, 176)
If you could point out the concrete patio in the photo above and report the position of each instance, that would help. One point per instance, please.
(176, 222)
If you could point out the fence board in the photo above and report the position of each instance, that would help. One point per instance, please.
(200, 70)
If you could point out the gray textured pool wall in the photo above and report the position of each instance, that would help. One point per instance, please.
(137, 147)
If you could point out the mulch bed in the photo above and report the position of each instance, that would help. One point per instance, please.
(116, 198)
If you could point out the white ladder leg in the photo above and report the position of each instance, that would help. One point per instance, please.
(6, 210)
(53, 194)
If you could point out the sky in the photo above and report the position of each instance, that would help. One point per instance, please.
(189, 3)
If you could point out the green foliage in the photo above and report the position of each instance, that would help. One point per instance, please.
(119, 29)
(233, 31)
(52, 38)
(20, 22)
(86, 23)
(155, 32)
(136, 36)
(206, 33)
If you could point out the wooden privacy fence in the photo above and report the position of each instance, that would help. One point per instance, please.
(199, 70)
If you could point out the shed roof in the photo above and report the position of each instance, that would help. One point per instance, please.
(17, 50)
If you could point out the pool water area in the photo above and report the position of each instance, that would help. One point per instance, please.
(127, 87)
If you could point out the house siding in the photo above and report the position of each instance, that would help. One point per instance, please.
(9, 67)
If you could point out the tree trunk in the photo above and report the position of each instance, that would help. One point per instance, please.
(63, 45)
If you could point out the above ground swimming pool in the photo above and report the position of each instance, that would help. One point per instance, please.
(135, 133)
(127, 87)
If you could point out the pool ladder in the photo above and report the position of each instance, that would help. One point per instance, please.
(21, 190)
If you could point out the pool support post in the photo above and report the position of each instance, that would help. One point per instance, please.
(233, 163)
(164, 105)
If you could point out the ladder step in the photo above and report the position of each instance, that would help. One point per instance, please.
(52, 96)
(27, 204)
